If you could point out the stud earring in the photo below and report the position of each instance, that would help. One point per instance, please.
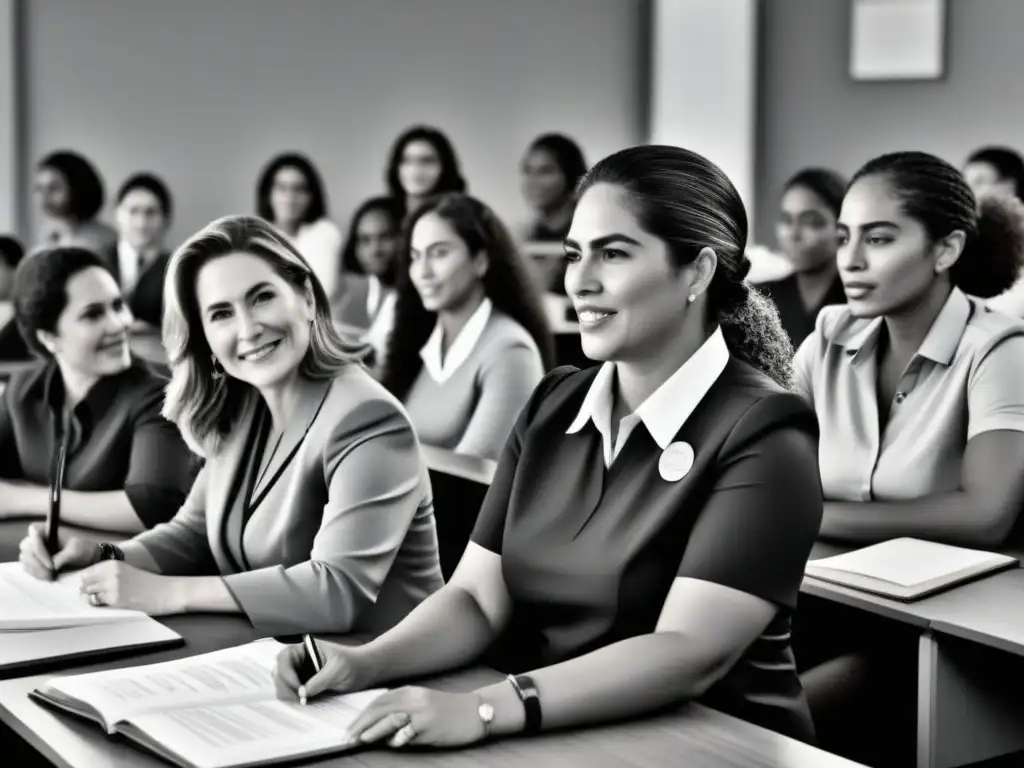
(691, 298)
(217, 373)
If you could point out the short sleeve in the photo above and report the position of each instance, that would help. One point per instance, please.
(490, 523)
(995, 397)
(808, 356)
(757, 528)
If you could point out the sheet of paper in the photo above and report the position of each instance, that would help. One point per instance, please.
(18, 648)
(232, 675)
(239, 734)
(28, 603)
(907, 562)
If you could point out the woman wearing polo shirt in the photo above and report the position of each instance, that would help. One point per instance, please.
(620, 553)
(916, 385)
(470, 341)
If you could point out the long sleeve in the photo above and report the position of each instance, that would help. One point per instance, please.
(506, 383)
(10, 463)
(160, 466)
(180, 547)
(376, 482)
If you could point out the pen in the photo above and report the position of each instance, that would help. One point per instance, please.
(53, 517)
(312, 662)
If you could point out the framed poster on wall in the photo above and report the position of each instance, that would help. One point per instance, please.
(898, 39)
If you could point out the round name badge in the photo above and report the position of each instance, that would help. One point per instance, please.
(675, 461)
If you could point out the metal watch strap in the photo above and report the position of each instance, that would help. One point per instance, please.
(109, 551)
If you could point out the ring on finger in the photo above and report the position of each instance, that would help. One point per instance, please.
(95, 599)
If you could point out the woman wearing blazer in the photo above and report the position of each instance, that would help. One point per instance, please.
(620, 552)
(313, 511)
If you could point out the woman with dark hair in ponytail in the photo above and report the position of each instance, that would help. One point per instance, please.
(917, 388)
(644, 537)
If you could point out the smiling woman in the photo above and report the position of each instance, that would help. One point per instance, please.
(313, 511)
(126, 467)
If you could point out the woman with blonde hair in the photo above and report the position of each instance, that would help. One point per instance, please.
(313, 511)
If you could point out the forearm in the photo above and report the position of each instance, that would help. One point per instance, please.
(446, 631)
(625, 679)
(98, 510)
(203, 594)
(955, 518)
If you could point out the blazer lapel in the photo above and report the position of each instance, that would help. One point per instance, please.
(226, 476)
(311, 399)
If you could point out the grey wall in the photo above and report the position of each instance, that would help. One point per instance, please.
(813, 113)
(204, 91)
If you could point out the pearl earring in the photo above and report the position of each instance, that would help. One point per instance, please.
(691, 298)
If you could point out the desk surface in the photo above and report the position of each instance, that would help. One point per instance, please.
(695, 736)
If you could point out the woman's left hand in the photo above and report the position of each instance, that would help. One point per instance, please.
(420, 717)
(119, 585)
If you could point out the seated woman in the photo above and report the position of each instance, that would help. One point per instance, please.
(549, 172)
(125, 468)
(70, 194)
(470, 341)
(422, 164)
(621, 549)
(365, 297)
(139, 259)
(807, 235)
(313, 511)
(916, 386)
(999, 171)
(290, 195)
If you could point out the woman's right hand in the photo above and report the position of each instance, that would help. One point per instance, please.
(344, 670)
(75, 553)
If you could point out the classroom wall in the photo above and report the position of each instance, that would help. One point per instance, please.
(203, 92)
(811, 112)
(8, 119)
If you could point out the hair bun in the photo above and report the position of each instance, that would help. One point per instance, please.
(994, 255)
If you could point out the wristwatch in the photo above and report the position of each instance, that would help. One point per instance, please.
(110, 552)
(486, 713)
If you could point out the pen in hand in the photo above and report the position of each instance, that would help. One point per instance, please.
(312, 662)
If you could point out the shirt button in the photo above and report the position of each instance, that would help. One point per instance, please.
(900, 397)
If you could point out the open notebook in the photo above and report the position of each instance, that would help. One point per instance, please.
(907, 569)
(215, 710)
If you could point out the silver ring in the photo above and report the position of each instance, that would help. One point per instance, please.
(405, 734)
(94, 599)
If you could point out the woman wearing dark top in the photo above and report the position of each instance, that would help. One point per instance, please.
(549, 173)
(139, 259)
(807, 235)
(364, 300)
(422, 163)
(70, 194)
(126, 468)
(621, 547)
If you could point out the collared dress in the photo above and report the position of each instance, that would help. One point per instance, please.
(592, 535)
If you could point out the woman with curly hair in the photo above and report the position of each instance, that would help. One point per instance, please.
(470, 340)
(644, 538)
(916, 385)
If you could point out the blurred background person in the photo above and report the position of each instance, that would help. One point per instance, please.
(422, 163)
(70, 195)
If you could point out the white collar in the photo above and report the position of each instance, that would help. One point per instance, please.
(667, 408)
(460, 348)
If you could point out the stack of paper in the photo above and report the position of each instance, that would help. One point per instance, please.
(50, 621)
(907, 569)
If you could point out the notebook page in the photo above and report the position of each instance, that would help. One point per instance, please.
(906, 562)
(28, 603)
(241, 734)
(231, 675)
